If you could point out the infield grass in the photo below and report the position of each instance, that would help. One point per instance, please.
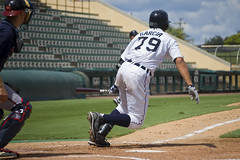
(233, 134)
(66, 119)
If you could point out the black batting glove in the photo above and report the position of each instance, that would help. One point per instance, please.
(119, 63)
(113, 89)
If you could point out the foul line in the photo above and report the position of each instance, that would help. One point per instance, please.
(104, 156)
(92, 156)
(198, 131)
(188, 135)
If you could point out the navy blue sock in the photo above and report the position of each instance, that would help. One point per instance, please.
(115, 111)
(117, 119)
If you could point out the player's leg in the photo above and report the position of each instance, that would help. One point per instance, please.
(118, 116)
(8, 154)
(134, 92)
(98, 131)
(131, 101)
(99, 139)
(12, 124)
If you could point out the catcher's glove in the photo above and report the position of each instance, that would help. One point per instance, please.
(193, 93)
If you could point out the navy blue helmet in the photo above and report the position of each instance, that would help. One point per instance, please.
(133, 33)
(16, 7)
(159, 19)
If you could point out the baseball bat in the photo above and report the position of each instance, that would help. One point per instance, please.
(91, 90)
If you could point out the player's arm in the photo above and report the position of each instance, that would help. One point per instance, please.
(182, 67)
(3, 92)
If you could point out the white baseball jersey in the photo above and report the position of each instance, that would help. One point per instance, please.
(150, 47)
(142, 56)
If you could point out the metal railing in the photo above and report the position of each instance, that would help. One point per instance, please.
(216, 49)
(171, 82)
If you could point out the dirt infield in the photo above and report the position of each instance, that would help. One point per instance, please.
(194, 138)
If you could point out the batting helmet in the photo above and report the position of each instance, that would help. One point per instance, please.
(15, 7)
(133, 33)
(159, 19)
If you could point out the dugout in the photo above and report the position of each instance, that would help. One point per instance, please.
(218, 81)
(45, 85)
(169, 81)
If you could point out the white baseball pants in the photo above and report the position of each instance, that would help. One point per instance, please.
(133, 83)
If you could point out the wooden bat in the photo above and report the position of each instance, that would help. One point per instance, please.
(91, 90)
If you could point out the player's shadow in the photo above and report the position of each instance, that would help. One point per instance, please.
(47, 154)
(164, 145)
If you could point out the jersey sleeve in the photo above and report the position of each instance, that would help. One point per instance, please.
(174, 50)
(128, 48)
(126, 51)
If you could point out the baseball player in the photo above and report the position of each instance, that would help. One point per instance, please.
(18, 14)
(113, 88)
(132, 34)
(141, 58)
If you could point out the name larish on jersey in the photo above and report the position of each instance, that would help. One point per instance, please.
(151, 33)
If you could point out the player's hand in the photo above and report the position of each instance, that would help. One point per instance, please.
(193, 93)
(113, 89)
(119, 63)
(3, 95)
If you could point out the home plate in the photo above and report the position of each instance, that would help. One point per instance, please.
(145, 151)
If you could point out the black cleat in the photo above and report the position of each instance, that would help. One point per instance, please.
(102, 142)
(96, 139)
(95, 120)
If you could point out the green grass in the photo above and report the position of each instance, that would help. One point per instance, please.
(233, 134)
(66, 119)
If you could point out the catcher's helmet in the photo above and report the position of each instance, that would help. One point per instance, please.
(15, 7)
(159, 19)
(133, 33)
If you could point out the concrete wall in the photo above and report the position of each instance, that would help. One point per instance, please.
(117, 17)
(203, 59)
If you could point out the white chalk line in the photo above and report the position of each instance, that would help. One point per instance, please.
(163, 141)
(188, 135)
(229, 159)
(198, 131)
(145, 151)
(104, 156)
(92, 156)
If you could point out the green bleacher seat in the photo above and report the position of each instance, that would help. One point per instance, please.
(96, 32)
(68, 40)
(114, 39)
(69, 13)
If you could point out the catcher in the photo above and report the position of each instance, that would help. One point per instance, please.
(18, 15)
